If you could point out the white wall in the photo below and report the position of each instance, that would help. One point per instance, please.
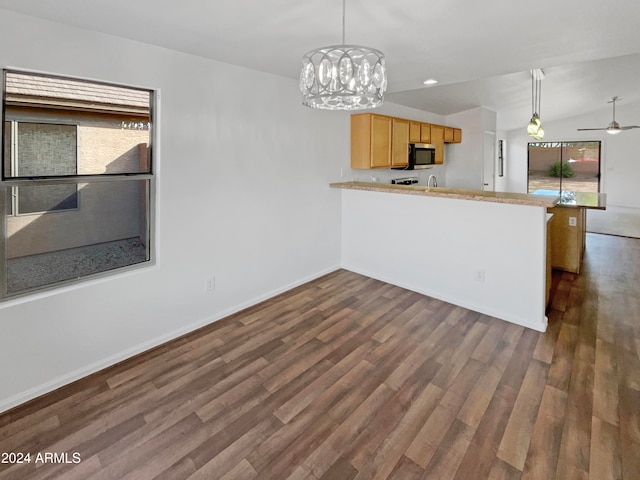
(620, 162)
(450, 239)
(464, 160)
(242, 194)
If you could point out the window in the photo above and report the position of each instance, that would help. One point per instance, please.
(36, 148)
(564, 166)
(77, 180)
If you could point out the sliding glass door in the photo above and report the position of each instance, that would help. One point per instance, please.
(564, 166)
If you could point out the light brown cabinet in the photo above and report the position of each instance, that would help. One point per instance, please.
(448, 135)
(425, 133)
(380, 141)
(400, 142)
(414, 132)
(437, 139)
(452, 135)
(370, 141)
(568, 227)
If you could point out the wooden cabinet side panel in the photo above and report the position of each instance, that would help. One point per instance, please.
(567, 242)
(457, 135)
(548, 276)
(361, 141)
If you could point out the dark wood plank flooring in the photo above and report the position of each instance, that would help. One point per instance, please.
(350, 378)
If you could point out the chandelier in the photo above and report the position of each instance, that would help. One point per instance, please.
(343, 77)
(534, 128)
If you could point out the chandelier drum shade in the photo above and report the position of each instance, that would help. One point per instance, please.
(343, 77)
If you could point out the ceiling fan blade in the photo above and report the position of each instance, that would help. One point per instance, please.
(614, 127)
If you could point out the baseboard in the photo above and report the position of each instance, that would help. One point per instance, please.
(540, 327)
(61, 381)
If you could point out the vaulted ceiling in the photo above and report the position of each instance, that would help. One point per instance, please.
(481, 52)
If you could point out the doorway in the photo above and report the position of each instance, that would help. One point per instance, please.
(488, 161)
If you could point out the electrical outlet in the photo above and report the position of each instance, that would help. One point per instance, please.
(210, 284)
(572, 221)
(479, 275)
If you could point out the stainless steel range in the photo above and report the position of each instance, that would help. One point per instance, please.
(405, 181)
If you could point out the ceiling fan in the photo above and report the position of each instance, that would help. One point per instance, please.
(614, 127)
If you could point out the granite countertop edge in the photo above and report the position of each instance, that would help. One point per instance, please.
(476, 195)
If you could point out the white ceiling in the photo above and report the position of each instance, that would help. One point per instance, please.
(481, 52)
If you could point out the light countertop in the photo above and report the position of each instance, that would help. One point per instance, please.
(596, 201)
(539, 200)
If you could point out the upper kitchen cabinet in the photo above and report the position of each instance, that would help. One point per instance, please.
(414, 132)
(437, 139)
(452, 135)
(425, 133)
(380, 141)
(419, 132)
(371, 140)
(400, 134)
(448, 135)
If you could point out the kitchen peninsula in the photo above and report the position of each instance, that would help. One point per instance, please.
(485, 251)
(569, 226)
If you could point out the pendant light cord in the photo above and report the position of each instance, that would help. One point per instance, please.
(533, 94)
(538, 96)
(536, 83)
(343, 19)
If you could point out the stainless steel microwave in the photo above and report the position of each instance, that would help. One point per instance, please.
(421, 155)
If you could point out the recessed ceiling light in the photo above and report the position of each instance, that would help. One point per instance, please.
(430, 81)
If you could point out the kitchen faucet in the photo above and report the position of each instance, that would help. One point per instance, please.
(435, 181)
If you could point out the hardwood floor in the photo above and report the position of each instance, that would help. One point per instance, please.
(350, 378)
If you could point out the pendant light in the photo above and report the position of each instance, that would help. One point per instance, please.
(534, 128)
(343, 77)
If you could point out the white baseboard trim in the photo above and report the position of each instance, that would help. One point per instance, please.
(54, 384)
(461, 302)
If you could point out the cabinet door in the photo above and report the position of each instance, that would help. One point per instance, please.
(400, 142)
(370, 141)
(425, 133)
(457, 135)
(437, 139)
(414, 132)
(448, 134)
(380, 141)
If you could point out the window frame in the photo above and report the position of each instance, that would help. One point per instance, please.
(9, 183)
(15, 164)
(562, 144)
